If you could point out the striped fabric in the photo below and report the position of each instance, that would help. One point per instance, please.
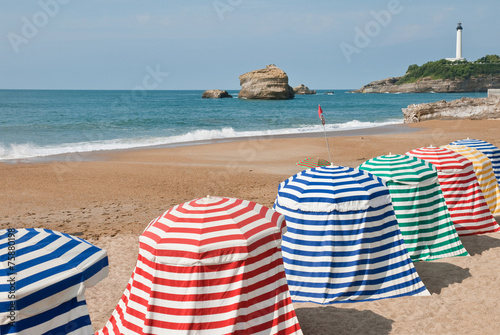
(49, 274)
(464, 198)
(486, 148)
(419, 205)
(208, 266)
(313, 162)
(484, 173)
(342, 242)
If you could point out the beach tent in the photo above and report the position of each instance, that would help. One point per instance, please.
(419, 205)
(484, 173)
(486, 148)
(209, 266)
(43, 280)
(464, 198)
(313, 162)
(343, 243)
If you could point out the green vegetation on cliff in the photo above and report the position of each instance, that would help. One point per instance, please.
(488, 65)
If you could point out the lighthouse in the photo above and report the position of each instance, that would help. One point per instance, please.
(458, 55)
(459, 42)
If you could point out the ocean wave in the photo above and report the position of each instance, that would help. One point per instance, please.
(31, 150)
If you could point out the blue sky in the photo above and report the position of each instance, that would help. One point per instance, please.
(70, 44)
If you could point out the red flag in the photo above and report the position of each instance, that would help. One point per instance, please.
(320, 114)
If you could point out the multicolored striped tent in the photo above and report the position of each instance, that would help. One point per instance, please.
(313, 162)
(343, 243)
(484, 173)
(43, 280)
(209, 266)
(486, 148)
(419, 205)
(464, 198)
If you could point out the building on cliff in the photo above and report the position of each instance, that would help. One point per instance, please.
(458, 54)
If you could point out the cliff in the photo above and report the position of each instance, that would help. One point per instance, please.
(465, 108)
(426, 85)
(270, 83)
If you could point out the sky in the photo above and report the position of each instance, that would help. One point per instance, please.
(195, 44)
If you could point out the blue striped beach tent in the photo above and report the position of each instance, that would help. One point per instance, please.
(43, 279)
(343, 243)
(491, 151)
(419, 205)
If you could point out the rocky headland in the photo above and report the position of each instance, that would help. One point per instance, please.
(303, 89)
(465, 108)
(427, 85)
(270, 83)
(215, 94)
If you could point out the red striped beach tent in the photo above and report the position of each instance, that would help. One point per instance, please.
(313, 162)
(343, 243)
(209, 266)
(419, 205)
(484, 173)
(43, 279)
(486, 148)
(464, 198)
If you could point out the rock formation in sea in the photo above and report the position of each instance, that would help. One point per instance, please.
(303, 89)
(215, 94)
(270, 83)
(465, 108)
(426, 85)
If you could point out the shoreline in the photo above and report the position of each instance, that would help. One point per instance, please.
(110, 200)
(395, 128)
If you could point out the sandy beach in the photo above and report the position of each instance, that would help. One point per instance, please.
(108, 198)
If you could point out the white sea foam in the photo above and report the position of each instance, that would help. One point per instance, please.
(30, 150)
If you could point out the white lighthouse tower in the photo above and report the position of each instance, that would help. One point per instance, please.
(459, 42)
(458, 55)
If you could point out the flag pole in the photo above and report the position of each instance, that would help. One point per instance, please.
(327, 145)
(322, 118)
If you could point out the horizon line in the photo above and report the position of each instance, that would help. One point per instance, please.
(121, 89)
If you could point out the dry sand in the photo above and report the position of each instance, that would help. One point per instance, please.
(109, 198)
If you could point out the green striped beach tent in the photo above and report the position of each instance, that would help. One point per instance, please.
(419, 206)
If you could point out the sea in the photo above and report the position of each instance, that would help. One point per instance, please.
(44, 123)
